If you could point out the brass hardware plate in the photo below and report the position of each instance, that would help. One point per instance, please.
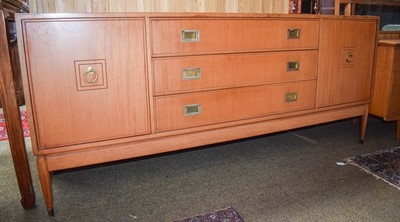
(191, 73)
(293, 66)
(91, 74)
(191, 110)
(291, 97)
(293, 33)
(190, 36)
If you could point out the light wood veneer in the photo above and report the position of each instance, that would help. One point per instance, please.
(107, 87)
(386, 97)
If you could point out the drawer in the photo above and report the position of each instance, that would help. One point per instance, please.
(199, 109)
(195, 36)
(194, 73)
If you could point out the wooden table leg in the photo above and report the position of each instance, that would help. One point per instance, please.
(45, 182)
(398, 130)
(363, 125)
(13, 122)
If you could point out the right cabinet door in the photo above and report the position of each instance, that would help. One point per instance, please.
(346, 60)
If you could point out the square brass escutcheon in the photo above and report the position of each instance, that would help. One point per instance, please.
(91, 74)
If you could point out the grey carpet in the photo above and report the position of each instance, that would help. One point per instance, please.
(288, 176)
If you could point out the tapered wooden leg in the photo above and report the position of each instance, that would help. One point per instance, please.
(45, 182)
(398, 130)
(363, 127)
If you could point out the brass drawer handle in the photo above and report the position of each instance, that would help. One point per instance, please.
(293, 66)
(293, 33)
(191, 73)
(190, 36)
(192, 109)
(91, 72)
(349, 57)
(291, 97)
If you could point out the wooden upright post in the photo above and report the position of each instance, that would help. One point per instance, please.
(13, 122)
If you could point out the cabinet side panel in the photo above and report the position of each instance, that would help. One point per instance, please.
(394, 98)
(383, 72)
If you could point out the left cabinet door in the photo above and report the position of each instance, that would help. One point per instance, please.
(87, 79)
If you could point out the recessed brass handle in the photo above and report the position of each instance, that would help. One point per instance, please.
(349, 57)
(191, 110)
(291, 97)
(293, 33)
(90, 75)
(191, 73)
(190, 36)
(293, 66)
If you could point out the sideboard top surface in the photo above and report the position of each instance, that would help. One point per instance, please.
(185, 15)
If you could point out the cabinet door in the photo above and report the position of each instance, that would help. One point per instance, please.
(346, 61)
(87, 79)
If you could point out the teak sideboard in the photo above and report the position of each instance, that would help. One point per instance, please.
(107, 87)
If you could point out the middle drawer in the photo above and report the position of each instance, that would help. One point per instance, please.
(204, 108)
(195, 73)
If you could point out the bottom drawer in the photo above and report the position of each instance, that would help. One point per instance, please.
(198, 109)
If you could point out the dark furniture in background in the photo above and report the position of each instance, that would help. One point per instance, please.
(387, 10)
(10, 7)
(9, 96)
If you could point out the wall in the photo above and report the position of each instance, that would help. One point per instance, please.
(233, 6)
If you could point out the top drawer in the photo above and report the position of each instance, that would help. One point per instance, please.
(196, 36)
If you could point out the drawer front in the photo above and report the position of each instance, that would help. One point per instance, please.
(186, 74)
(80, 88)
(174, 36)
(192, 110)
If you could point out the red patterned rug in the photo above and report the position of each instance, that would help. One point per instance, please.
(225, 215)
(24, 121)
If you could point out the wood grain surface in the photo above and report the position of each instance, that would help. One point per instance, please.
(135, 116)
(93, 112)
(234, 35)
(341, 81)
(234, 6)
(223, 71)
(232, 104)
(13, 123)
